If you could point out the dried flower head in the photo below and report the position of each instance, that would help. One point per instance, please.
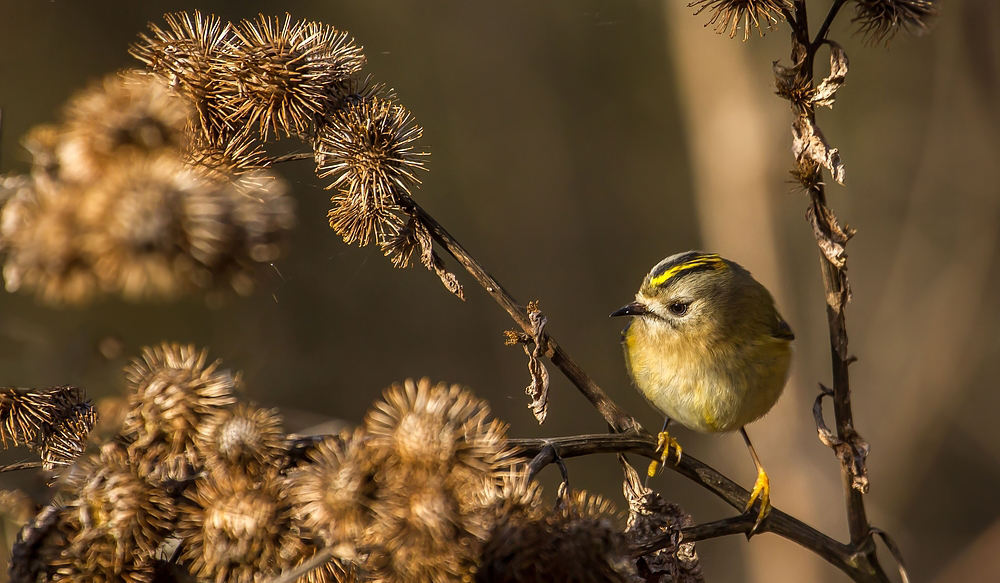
(237, 530)
(422, 534)
(729, 15)
(435, 426)
(228, 154)
(332, 495)
(40, 233)
(152, 225)
(580, 541)
(367, 148)
(120, 517)
(282, 71)
(241, 439)
(65, 439)
(357, 223)
(880, 20)
(133, 111)
(172, 392)
(189, 55)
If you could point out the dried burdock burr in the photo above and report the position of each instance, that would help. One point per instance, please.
(238, 530)
(368, 151)
(173, 391)
(880, 20)
(730, 15)
(281, 72)
(189, 54)
(332, 495)
(134, 112)
(242, 439)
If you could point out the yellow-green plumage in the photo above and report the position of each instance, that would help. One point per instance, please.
(722, 363)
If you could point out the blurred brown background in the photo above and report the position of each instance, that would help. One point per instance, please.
(576, 143)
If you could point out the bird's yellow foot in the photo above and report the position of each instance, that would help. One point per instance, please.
(663, 444)
(761, 491)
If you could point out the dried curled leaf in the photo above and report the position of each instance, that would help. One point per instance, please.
(808, 143)
(538, 390)
(831, 238)
(649, 518)
(851, 453)
(415, 235)
(827, 90)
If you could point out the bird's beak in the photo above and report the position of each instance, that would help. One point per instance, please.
(633, 309)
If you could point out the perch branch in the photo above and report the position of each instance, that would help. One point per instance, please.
(612, 413)
(853, 560)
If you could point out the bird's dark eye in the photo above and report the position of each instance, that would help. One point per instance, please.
(678, 308)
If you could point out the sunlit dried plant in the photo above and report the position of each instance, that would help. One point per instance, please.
(243, 439)
(282, 71)
(730, 15)
(236, 529)
(880, 20)
(135, 112)
(56, 422)
(368, 150)
(189, 54)
(333, 493)
(173, 391)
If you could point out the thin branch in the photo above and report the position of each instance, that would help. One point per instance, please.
(853, 560)
(616, 417)
(825, 27)
(293, 157)
(20, 466)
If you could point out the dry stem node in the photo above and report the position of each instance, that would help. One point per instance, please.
(851, 453)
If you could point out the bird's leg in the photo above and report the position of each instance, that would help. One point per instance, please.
(761, 488)
(663, 444)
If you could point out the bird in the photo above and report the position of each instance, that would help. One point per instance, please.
(708, 349)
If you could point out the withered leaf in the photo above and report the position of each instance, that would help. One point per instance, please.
(827, 90)
(430, 259)
(650, 517)
(808, 142)
(538, 390)
(830, 237)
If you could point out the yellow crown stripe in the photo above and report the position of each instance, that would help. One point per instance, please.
(713, 261)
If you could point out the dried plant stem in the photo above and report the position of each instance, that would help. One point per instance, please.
(612, 413)
(855, 560)
(20, 466)
(834, 282)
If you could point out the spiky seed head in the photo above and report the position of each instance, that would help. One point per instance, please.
(282, 70)
(730, 15)
(368, 150)
(42, 238)
(120, 515)
(880, 20)
(333, 493)
(172, 392)
(436, 426)
(358, 223)
(399, 247)
(133, 111)
(153, 224)
(190, 54)
(66, 438)
(244, 439)
(579, 541)
(238, 530)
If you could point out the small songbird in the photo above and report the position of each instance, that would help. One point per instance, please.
(707, 348)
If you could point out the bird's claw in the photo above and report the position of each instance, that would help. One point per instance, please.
(761, 491)
(663, 444)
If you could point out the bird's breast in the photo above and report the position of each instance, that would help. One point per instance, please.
(704, 387)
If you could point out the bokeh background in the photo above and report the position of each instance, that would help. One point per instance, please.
(574, 144)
